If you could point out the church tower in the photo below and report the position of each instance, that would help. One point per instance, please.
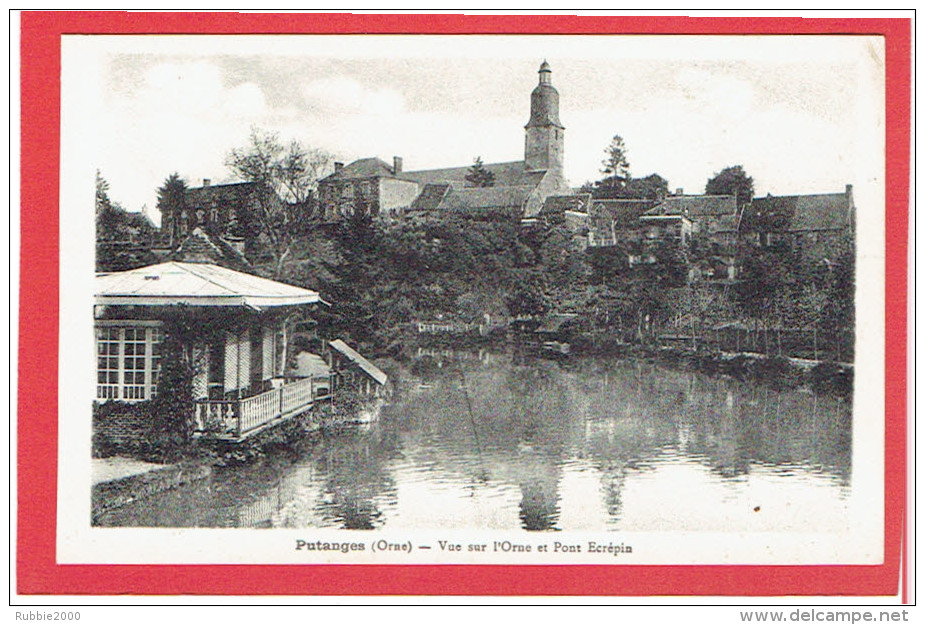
(544, 147)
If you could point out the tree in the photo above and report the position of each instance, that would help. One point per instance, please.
(102, 202)
(479, 176)
(732, 181)
(650, 187)
(615, 166)
(171, 200)
(284, 176)
(123, 238)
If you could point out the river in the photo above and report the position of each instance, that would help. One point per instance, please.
(495, 440)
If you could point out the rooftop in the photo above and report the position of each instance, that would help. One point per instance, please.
(371, 167)
(512, 174)
(821, 211)
(430, 197)
(695, 205)
(624, 212)
(486, 198)
(196, 284)
(372, 370)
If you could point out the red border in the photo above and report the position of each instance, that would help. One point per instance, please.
(37, 570)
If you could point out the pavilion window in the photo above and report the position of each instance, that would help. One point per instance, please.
(128, 362)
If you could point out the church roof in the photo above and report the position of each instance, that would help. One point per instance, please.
(511, 174)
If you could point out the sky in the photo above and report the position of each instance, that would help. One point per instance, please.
(802, 114)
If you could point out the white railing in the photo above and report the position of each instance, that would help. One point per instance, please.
(237, 417)
(216, 416)
(295, 395)
(257, 410)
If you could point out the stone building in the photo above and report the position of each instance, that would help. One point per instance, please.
(817, 226)
(518, 189)
(227, 210)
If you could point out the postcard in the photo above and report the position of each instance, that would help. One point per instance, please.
(581, 300)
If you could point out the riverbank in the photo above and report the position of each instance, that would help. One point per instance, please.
(821, 376)
(120, 481)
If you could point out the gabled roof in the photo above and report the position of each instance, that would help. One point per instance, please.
(824, 211)
(372, 370)
(477, 199)
(196, 284)
(695, 205)
(200, 247)
(363, 168)
(511, 174)
(430, 197)
(624, 213)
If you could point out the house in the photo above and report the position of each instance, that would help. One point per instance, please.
(231, 210)
(709, 218)
(814, 225)
(351, 368)
(372, 186)
(229, 327)
(367, 186)
(671, 228)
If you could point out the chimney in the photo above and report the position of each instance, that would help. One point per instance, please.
(679, 191)
(849, 192)
(206, 182)
(338, 166)
(396, 164)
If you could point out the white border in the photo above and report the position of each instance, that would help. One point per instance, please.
(77, 542)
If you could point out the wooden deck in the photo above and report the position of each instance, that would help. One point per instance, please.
(237, 419)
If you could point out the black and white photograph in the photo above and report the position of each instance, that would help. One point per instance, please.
(472, 299)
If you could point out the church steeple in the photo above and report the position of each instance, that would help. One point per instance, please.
(545, 141)
(545, 74)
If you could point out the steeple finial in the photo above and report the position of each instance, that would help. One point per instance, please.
(545, 72)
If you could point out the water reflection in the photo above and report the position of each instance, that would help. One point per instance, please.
(498, 440)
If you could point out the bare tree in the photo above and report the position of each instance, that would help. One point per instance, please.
(285, 176)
